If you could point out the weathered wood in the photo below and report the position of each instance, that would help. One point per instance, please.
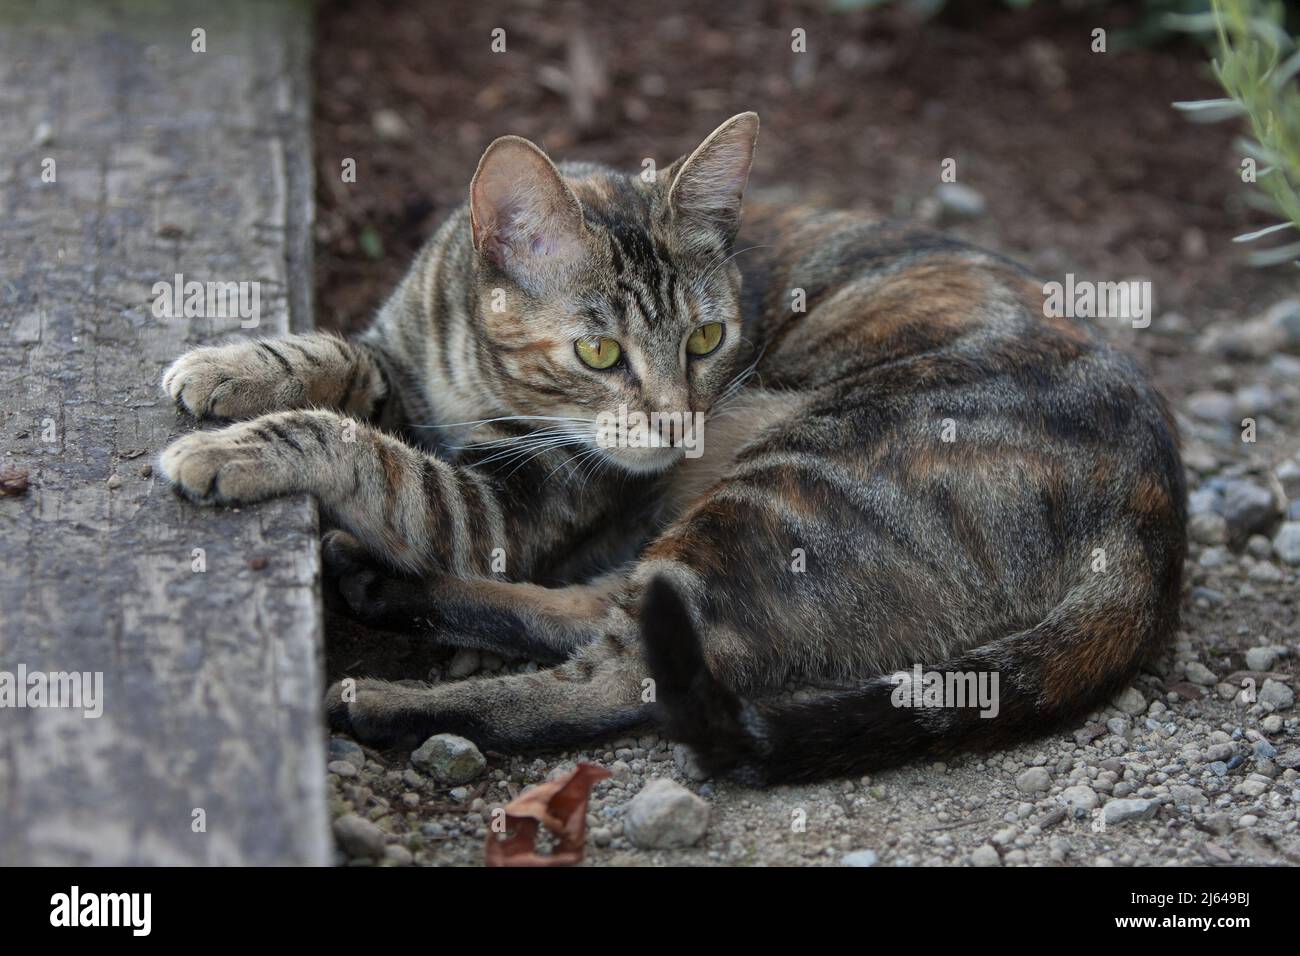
(167, 161)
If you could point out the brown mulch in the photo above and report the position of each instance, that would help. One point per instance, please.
(1083, 163)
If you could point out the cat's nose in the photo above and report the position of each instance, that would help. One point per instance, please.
(672, 408)
(669, 426)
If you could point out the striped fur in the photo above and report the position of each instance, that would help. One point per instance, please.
(918, 468)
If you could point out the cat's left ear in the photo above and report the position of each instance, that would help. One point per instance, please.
(707, 188)
(525, 220)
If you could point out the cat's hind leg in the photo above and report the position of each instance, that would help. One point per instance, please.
(600, 691)
(512, 619)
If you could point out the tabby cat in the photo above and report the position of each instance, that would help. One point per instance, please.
(905, 463)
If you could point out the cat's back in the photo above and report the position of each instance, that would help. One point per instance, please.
(941, 401)
(910, 322)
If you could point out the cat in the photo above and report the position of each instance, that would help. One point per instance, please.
(906, 464)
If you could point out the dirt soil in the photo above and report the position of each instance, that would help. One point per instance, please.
(1083, 167)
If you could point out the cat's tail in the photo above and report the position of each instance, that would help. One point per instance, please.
(1006, 690)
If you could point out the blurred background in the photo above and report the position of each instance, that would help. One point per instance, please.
(1074, 160)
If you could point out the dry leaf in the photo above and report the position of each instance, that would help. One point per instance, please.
(13, 481)
(559, 805)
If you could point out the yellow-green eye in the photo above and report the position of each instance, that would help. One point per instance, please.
(705, 339)
(598, 352)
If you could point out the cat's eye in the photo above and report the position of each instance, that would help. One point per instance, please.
(705, 339)
(598, 352)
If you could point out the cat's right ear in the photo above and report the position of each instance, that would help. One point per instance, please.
(526, 222)
(709, 184)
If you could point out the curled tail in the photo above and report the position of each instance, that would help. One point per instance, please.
(1081, 655)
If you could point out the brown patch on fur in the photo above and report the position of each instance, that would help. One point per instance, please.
(686, 544)
(1150, 498)
(936, 297)
(392, 469)
(577, 602)
(1097, 658)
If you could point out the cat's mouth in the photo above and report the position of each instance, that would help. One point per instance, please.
(649, 442)
(645, 461)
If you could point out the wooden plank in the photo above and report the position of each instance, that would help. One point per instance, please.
(167, 161)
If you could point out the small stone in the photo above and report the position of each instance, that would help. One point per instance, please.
(1276, 694)
(1079, 797)
(1033, 780)
(388, 124)
(986, 855)
(1215, 557)
(1187, 795)
(665, 815)
(1286, 545)
(1261, 658)
(1266, 572)
(1131, 702)
(1288, 475)
(960, 201)
(1208, 528)
(398, 855)
(449, 759)
(1086, 735)
(463, 663)
(1211, 406)
(114, 482)
(341, 768)
(1218, 751)
(1289, 758)
(1198, 673)
(687, 763)
(1284, 316)
(340, 748)
(1248, 508)
(358, 837)
(1256, 400)
(1252, 787)
(1259, 547)
(1121, 811)
(859, 858)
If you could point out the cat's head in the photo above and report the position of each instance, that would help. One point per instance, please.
(602, 293)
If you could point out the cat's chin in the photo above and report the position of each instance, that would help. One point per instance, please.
(644, 461)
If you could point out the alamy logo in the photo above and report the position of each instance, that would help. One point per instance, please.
(103, 909)
(208, 300)
(917, 688)
(1099, 300)
(633, 429)
(75, 690)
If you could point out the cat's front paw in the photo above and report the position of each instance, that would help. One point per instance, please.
(231, 466)
(232, 381)
(380, 713)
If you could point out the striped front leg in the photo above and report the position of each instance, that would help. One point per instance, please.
(415, 511)
(246, 379)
